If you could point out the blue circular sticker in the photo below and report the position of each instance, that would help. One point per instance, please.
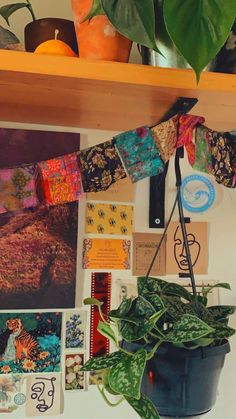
(19, 399)
(198, 193)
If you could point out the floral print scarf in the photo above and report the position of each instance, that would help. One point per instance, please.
(100, 167)
(61, 179)
(223, 157)
(139, 153)
(165, 136)
(18, 188)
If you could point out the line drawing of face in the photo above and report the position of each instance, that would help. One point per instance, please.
(180, 252)
(43, 391)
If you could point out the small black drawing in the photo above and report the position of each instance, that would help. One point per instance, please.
(180, 252)
(44, 392)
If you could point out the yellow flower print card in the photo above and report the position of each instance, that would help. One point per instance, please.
(109, 218)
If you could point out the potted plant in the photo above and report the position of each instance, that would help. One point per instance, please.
(197, 30)
(97, 37)
(170, 345)
(42, 30)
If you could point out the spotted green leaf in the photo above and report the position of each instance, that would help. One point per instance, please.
(149, 285)
(144, 407)
(188, 328)
(221, 331)
(224, 285)
(103, 362)
(221, 312)
(177, 291)
(143, 308)
(122, 310)
(106, 331)
(126, 376)
(156, 301)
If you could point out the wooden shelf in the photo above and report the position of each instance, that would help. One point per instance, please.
(106, 95)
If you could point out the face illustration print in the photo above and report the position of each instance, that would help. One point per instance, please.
(43, 391)
(180, 252)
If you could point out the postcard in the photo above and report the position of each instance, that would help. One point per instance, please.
(106, 254)
(30, 342)
(144, 247)
(76, 329)
(44, 395)
(74, 378)
(121, 191)
(109, 219)
(175, 251)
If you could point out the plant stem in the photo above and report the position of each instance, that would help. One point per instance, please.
(30, 8)
(153, 351)
(102, 316)
(124, 351)
(101, 391)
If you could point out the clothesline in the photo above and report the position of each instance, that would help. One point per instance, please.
(138, 153)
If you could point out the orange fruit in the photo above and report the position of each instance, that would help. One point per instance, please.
(55, 47)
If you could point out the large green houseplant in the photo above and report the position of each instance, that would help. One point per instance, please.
(165, 315)
(198, 28)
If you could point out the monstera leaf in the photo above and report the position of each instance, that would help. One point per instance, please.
(199, 28)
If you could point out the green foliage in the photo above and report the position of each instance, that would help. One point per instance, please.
(126, 376)
(198, 28)
(144, 407)
(163, 312)
(8, 10)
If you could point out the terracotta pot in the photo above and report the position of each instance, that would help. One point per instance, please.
(42, 30)
(97, 38)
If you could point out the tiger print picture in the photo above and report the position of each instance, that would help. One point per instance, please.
(30, 342)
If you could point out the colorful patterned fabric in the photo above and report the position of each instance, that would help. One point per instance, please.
(100, 167)
(202, 152)
(187, 123)
(139, 153)
(18, 188)
(223, 157)
(61, 180)
(165, 136)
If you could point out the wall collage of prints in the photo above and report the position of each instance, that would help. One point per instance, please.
(42, 332)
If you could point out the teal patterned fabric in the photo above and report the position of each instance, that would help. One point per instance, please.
(139, 153)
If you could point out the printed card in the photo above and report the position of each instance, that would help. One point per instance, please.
(75, 329)
(106, 254)
(30, 342)
(121, 191)
(44, 395)
(144, 247)
(109, 219)
(176, 254)
(74, 378)
(12, 392)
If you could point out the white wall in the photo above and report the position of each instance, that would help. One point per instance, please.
(222, 249)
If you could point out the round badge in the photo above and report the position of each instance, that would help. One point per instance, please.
(198, 193)
(19, 399)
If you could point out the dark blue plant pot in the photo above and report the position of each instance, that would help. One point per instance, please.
(183, 383)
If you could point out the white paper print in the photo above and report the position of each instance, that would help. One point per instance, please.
(44, 395)
(12, 392)
(75, 329)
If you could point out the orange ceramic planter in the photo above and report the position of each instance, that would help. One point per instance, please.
(97, 38)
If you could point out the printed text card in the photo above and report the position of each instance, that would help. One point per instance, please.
(106, 254)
